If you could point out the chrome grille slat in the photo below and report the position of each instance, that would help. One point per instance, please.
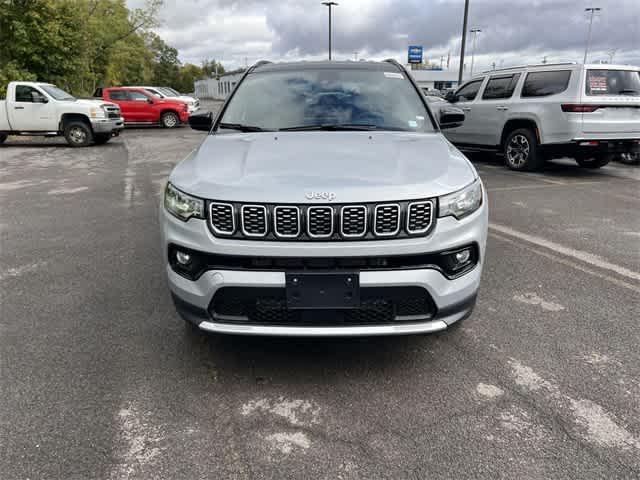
(222, 218)
(320, 222)
(419, 216)
(254, 220)
(386, 220)
(286, 221)
(353, 221)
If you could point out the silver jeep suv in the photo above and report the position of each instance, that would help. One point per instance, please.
(324, 201)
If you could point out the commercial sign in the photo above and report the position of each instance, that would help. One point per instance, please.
(415, 53)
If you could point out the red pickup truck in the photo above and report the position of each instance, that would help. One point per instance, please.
(141, 107)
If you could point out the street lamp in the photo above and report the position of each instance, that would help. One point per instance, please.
(592, 11)
(475, 32)
(464, 40)
(330, 4)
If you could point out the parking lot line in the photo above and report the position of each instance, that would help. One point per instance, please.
(523, 187)
(580, 255)
(568, 263)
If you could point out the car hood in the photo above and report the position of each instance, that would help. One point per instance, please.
(287, 167)
(92, 103)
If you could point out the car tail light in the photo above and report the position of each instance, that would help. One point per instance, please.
(580, 107)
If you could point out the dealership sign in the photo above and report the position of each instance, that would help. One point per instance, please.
(415, 53)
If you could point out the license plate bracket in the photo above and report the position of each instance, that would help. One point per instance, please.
(322, 290)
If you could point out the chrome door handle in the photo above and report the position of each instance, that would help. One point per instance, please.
(18, 108)
(501, 108)
(466, 109)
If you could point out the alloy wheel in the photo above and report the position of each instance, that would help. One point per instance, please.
(518, 151)
(78, 135)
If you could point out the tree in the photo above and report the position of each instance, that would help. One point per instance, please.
(189, 73)
(211, 68)
(166, 65)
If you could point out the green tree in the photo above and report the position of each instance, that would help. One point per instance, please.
(189, 73)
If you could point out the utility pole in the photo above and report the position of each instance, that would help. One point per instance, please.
(475, 32)
(330, 4)
(592, 11)
(464, 40)
(612, 53)
(355, 56)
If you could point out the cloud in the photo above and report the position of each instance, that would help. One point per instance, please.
(514, 31)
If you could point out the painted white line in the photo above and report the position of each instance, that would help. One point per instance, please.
(534, 187)
(580, 255)
(568, 263)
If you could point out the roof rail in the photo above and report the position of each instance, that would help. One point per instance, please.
(531, 65)
(258, 64)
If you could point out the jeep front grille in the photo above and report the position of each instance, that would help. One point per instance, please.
(254, 220)
(353, 221)
(286, 221)
(386, 221)
(304, 222)
(222, 218)
(419, 217)
(320, 222)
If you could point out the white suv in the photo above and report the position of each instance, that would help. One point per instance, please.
(539, 112)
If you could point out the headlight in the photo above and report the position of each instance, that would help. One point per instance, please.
(461, 203)
(182, 205)
(97, 112)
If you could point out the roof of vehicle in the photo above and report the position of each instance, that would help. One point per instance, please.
(325, 64)
(560, 66)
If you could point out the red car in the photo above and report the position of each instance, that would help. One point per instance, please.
(139, 106)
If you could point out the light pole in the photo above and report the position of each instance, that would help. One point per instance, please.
(464, 40)
(330, 4)
(592, 11)
(475, 32)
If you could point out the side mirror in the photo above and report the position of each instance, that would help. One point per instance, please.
(38, 98)
(150, 100)
(201, 121)
(451, 97)
(451, 117)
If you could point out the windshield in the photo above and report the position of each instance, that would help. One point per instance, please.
(57, 93)
(328, 96)
(170, 92)
(613, 82)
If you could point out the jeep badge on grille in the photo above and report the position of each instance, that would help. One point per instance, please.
(330, 196)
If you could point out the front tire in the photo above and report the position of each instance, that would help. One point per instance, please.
(101, 138)
(521, 151)
(594, 161)
(169, 120)
(3, 137)
(78, 134)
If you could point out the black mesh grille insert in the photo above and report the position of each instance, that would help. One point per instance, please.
(419, 218)
(254, 220)
(221, 217)
(268, 306)
(387, 219)
(287, 221)
(320, 221)
(354, 221)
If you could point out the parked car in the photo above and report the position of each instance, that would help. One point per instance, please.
(36, 108)
(539, 112)
(324, 201)
(141, 107)
(166, 92)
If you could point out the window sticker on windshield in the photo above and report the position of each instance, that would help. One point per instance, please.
(413, 124)
(419, 117)
(597, 84)
(393, 75)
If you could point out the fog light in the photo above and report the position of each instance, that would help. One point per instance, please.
(183, 258)
(463, 256)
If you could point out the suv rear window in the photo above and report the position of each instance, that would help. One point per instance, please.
(500, 87)
(613, 82)
(542, 84)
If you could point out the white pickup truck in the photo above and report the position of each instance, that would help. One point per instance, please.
(33, 108)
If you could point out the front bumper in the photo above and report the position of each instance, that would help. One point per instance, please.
(454, 299)
(109, 125)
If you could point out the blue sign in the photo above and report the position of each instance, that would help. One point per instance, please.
(415, 53)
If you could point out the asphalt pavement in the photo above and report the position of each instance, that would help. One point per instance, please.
(100, 379)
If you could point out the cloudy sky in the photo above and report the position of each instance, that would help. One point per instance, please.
(513, 31)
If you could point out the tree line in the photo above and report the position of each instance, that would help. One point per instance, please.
(82, 44)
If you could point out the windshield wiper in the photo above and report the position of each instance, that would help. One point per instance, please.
(331, 127)
(242, 128)
(631, 91)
